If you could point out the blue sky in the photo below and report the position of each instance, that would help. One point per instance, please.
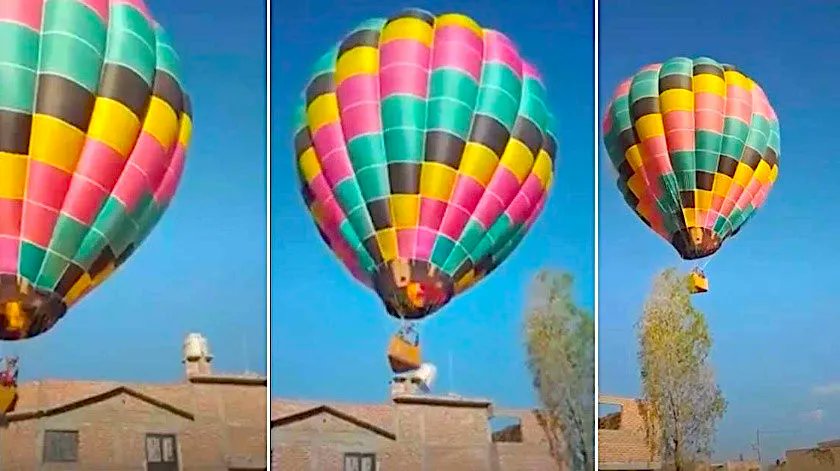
(328, 332)
(203, 267)
(772, 305)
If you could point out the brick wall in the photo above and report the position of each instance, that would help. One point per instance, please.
(533, 452)
(447, 435)
(226, 428)
(627, 445)
(814, 459)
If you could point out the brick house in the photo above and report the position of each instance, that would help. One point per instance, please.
(823, 457)
(410, 432)
(622, 445)
(206, 422)
(621, 437)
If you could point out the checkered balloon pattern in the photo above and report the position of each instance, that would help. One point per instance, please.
(696, 147)
(94, 126)
(424, 155)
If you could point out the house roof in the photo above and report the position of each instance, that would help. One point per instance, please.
(325, 409)
(378, 418)
(379, 415)
(51, 396)
(26, 414)
(240, 379)
(452, 401)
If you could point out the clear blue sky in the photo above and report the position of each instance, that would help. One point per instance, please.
(328, 332)
(203, 267)
(772, 308)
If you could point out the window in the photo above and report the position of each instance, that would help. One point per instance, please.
(609, 416)
(506, 429)
(61, 446)
(359, 462)
(161, 452)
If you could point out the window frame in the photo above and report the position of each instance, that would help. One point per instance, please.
(359, 456)
(617, 413)
(46, 456)
(498, 432)
(161, 437)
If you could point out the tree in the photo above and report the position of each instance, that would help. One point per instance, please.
(678, 382)
(560, 339)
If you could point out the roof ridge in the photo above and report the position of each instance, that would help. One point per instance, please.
(323, 408)
(93, 399)
(282, 400)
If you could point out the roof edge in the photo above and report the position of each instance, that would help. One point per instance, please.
(453, 401)
(93, 399)
(615, 400)
(325, 409)
(229, 379)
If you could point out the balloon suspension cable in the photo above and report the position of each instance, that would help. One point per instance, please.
(707, 261)
(403, 329)
(407, 330)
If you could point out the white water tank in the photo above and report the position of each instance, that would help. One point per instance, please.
(426, 375)
(205, 349)
(194, 347)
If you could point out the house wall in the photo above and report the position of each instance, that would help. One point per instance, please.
(229, 426)
(827, 459)
(319, 443)
(445, 436)
(428, 437)
(625, 448)
(533, 453)
(111, 435)
(228, 430)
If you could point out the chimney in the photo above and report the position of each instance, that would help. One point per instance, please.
(414, 382)
(197, 355)
(402, 385)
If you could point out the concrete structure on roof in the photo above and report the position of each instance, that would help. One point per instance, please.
(207, 421)
(622, 445)
(823, 457)
(410, 432)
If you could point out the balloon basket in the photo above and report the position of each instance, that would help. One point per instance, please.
(403, 356)
(8, 398)
(699, 283)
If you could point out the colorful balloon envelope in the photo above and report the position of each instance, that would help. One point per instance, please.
(94, 126)
(696, 147)
(424, 154)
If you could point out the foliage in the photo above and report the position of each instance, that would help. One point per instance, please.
(560, 338)
(678, 382)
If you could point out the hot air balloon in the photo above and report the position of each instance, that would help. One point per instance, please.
(696, 147)
(94, 126)
(424, 156)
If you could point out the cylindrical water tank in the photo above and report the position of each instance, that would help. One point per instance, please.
(194, 345)
(205, 349)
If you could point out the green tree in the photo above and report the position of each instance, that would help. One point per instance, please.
(560, 339)
(678, 382)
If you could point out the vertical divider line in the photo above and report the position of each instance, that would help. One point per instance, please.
(597, 212)
(268, 453)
